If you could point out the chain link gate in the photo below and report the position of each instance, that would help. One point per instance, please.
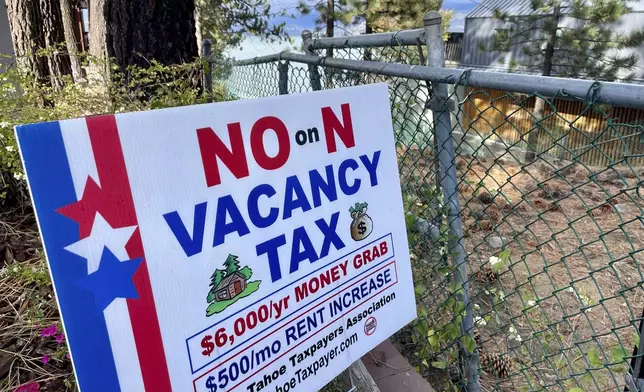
(528, 272)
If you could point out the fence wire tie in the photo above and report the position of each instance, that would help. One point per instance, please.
(395, 39)
(464, 78)
(592, 96)
(419, 45)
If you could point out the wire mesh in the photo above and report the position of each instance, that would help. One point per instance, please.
(553, 244)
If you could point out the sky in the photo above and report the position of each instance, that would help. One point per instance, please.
(253, 46)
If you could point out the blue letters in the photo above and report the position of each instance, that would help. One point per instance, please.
(327, 187)
(294, 189)
(193, 245)
(228, 217)
(330, 234)
(253, 206)
(270, 248)
(342, 177)
(225, 207)
(371, 166)
(301, 238)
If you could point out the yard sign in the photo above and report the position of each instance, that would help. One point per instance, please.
(255, 245)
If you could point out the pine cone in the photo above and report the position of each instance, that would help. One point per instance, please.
(496, 364)
(485, 197)
(486, 224)
(487, 275)
(477, 338)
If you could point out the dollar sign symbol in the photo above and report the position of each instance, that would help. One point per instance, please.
(208, 345)
(211, 385)
(362, 228)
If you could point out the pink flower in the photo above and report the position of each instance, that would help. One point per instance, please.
(30, 387)
(59, 338)
(45, 359)
(49, 331)
(68, 356)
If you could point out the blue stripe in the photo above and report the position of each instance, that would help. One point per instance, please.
(51, 185)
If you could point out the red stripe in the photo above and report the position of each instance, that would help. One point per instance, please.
(119, 212)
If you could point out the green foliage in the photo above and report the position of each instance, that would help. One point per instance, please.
(232, 264)
(618, 354)
(588, 46)
(28, 274)
(216, 278)
(24, 100)
(226, 22)
(381, 15)
(246, 272)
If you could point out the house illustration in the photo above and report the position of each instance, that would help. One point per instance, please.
(230, 287)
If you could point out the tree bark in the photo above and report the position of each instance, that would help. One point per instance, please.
(98, 68)
(35, 25)
(368, 29)
(330, 23)
(25, 24)
(142, 30)
(54, 36)
(97, 28)
(540, 104)
(67, 14)
(198, 32)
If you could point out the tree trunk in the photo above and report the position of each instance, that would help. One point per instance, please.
(98, 65)
(142, 30)
(367, 29)
(330, 23)
(198, 32)
(35, 25)
(54, 36)
(67, 14)
(540, 104)
(25, 24)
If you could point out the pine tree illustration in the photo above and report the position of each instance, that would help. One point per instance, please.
(216, 278)
(231, 264)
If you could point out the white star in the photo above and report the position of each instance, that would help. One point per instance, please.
(102, 235)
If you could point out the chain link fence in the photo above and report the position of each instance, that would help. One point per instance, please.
(528, 272)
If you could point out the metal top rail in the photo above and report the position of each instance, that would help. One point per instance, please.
(618, 94)
(395, 38)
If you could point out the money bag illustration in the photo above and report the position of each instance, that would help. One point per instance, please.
(362, 225)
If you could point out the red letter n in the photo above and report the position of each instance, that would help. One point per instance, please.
(212, 148)
(332, 124)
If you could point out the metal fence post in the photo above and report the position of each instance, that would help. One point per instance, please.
(314, 75)
(207, 74)
(440, 104)
(282, 68)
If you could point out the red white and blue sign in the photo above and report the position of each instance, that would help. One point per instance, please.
(237, 246)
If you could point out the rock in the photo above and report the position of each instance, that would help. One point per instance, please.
(620, 208)
(427, 228)
(496, 242)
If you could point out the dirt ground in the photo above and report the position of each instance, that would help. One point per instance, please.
(563, 310)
